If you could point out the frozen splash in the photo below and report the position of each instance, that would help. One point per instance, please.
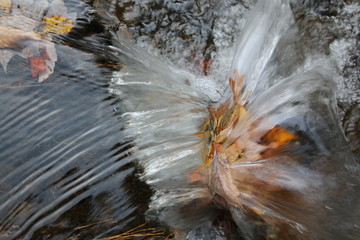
(297, 188)
(164, 117)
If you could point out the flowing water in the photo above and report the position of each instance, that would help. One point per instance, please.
(118, 134)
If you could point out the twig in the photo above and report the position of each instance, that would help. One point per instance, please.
(136, 232)
(93, 224)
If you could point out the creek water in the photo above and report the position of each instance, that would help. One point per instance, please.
(109, 141)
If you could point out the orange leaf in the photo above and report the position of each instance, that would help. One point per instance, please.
(277, 137)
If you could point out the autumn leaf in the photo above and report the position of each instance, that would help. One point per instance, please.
(57, 25)
(5, 3)
(248, 159)
(42, 58)
(38, 64)
(277, 137)
(5, 6)
(251, 144)
(13, 38)
(18, 34)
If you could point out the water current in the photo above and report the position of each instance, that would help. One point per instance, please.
(120, 137)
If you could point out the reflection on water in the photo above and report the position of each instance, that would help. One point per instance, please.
(115, 137)
(63, 159)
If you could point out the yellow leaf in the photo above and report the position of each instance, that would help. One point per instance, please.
(5, 5)
(57, 25)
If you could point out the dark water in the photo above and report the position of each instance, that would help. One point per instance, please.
(65, 170)
(63, 160)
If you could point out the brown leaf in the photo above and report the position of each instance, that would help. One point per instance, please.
(12, 38)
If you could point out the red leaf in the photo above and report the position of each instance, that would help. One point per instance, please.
(37, 65)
